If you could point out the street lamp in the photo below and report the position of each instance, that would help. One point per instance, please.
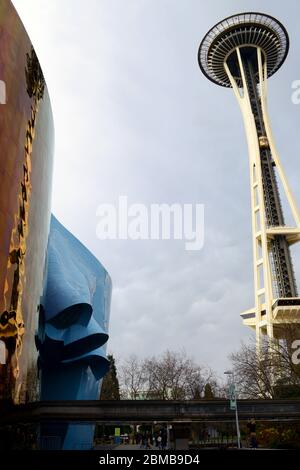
(234, 403)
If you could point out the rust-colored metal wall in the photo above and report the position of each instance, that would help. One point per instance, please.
(26, 148)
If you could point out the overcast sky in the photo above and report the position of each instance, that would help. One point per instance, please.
(134, 116)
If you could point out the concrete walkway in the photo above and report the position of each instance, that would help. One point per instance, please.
(133, 447)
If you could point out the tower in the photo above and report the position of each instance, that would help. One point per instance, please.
(241, 52)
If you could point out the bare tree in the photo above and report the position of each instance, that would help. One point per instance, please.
(170, 376)
(286, 369)
(174, 376)
(253, 374)
(269, 374)
(132, 377)
(165, 376)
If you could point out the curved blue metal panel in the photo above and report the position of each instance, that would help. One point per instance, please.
(73, 329)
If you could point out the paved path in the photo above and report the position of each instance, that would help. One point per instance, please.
(133, 447)
(128, 447)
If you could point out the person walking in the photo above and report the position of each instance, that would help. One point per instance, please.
(251, 425)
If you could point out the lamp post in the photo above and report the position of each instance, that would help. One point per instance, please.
(233, 404)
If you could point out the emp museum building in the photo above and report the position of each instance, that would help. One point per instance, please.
(54, 294)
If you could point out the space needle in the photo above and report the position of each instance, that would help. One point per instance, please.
(241, 52)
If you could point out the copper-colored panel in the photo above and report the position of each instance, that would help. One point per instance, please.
(26, 136)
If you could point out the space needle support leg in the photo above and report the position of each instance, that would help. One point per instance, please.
(261, 263)
(263, 94)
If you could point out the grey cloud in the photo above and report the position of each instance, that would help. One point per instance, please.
(135, 116)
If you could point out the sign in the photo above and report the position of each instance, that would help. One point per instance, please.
(117, 432)
(232, 397)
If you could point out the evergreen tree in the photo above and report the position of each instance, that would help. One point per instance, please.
(208, 393)
(110, 386)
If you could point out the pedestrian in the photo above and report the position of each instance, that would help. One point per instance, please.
(164, 440)
(251, 425)
(144, 442)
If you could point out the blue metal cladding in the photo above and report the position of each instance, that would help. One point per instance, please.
(73, 330)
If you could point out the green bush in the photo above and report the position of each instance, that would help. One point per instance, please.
(279, 437)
